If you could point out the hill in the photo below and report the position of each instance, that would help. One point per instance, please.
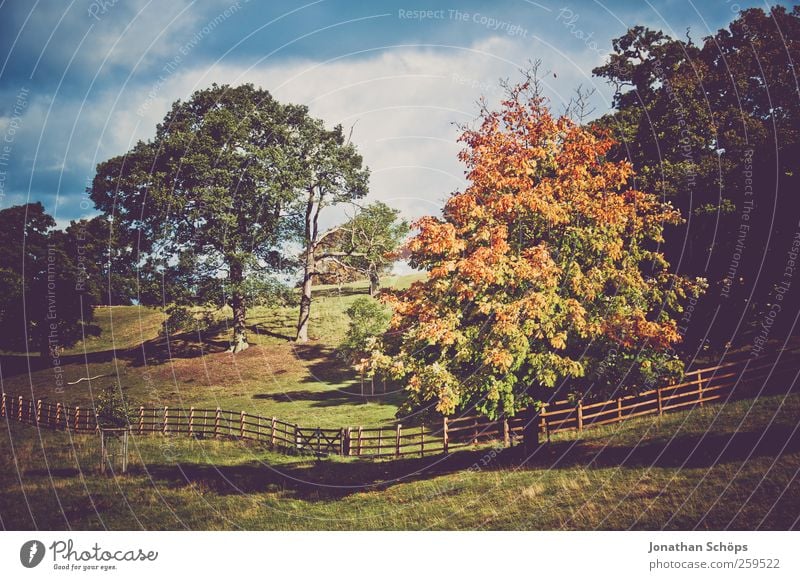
(298, 383)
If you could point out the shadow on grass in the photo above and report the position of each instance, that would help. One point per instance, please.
(332, 397)
(323, 364)
(330, 479)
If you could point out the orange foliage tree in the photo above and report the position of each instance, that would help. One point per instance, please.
(543, 272)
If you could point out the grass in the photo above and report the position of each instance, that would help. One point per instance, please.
(730, 466)
(306, 384)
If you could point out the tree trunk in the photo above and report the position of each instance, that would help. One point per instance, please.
(305, 298)
(239, 307)
(374, 283)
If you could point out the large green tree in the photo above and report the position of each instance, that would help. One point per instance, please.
(714, 127)
(212, 196)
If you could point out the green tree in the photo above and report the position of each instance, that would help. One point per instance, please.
(211, 194)
(45, 304)
(369, 319)
(367, 243)
(714, 128)
(332, 173)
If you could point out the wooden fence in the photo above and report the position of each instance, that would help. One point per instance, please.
(734, 379)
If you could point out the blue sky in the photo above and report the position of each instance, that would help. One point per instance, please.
(81, 81)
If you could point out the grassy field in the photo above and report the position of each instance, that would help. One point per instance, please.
(722, 466)
(731, 466)
(306, 383)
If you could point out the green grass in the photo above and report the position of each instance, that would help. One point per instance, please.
(722, 466)
(729, 466)
(306, 384)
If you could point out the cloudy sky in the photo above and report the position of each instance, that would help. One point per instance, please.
(81, 81)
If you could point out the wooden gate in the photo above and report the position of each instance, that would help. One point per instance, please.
(319, 441)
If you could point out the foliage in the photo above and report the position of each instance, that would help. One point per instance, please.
(547, 254)
(715, 128)
(47, 302)
(367, 243)
(369, 319)
(106, 265)
(205, 201)
(112, 409)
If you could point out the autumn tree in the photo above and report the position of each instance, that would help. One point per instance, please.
(543, 266)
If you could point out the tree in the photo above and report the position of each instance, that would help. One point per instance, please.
(105, 265)
(542, 266)
(367, 243)
(45, 304)
(714, 128)
(209, 195)
(332, 173)
(369, 319)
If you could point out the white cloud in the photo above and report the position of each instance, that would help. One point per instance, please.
(402, 103)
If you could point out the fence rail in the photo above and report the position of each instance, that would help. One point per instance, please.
(735, 379)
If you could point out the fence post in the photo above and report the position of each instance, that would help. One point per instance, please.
(346, 436)
(191, 421)
(700, 387)
(216, 422)
(660, 402)
(475, 431)
(380, 439)
(241, 426)
(619, 408)
(397, 440)
(358, 443)
(544, 426)
(58, 415)
(445, 436)
(3, 406)
(38, 411)
(272, 433)
(19, 408)
(297, 444)
(141, 420)
(506, 433)
(166, 418)
(422, 440)
(77, 418)
(580, 414)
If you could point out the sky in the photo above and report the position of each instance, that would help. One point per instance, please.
(81, 81)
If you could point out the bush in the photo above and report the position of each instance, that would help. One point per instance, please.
(369, 319)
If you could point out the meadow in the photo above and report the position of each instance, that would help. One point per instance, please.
(726, 466)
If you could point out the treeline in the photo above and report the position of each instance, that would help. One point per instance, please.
(714, 128)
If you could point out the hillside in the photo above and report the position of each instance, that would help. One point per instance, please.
(275, 376)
